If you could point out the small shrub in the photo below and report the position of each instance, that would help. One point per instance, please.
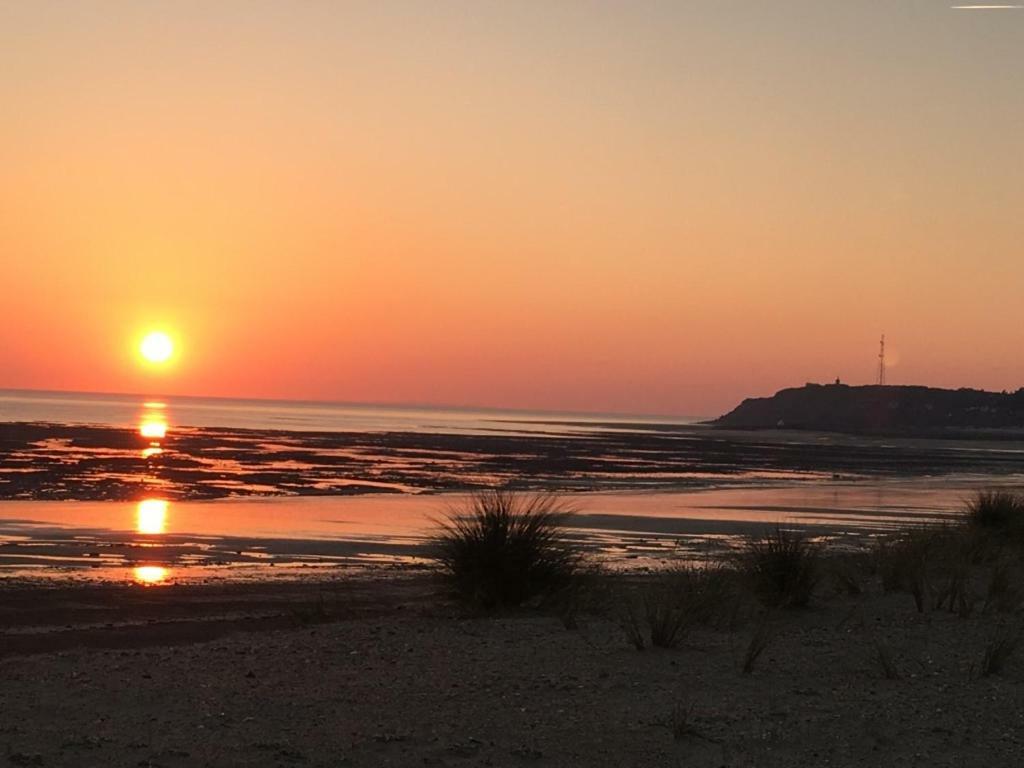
(501, 549)
(782, 567)
(997, 510)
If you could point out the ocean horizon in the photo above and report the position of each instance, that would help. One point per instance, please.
(125, 410)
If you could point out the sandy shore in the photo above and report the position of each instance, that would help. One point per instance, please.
(372, 671)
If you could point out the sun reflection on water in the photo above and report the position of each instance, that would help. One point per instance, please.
(151, 574)
(153, 426)
(151, 516)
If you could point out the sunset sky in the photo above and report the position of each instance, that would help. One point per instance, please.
(633, 207)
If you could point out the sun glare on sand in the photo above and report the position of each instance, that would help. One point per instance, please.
(156, 347)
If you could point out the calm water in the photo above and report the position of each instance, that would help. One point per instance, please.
(154, 533)
(132, 410)
(154, 540)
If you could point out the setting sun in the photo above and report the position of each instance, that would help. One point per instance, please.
(157, 347)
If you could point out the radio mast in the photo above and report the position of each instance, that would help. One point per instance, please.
(881, 362)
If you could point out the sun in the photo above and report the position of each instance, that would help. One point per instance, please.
(156, 347)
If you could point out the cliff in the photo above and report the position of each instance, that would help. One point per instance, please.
(880, 410)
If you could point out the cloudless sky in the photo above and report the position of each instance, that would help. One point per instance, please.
(625, 206)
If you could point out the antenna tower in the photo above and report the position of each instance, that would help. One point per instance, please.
(881, 362)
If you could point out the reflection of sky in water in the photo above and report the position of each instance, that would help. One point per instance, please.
(154, 541)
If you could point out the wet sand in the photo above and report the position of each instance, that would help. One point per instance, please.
(69, 462)
(282, 538)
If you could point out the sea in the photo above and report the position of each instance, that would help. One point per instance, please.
(121, 410)
(231, 489)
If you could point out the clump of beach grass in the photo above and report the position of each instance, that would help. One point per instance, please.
(1000, 648)
(929, 562)
(1003, 593)
(500, 549)
(935, 564)
(675, 601)
(999, 511)
(762, 635)
(847, 573)
(782, 567)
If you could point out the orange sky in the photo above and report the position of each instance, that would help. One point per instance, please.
(637, 207)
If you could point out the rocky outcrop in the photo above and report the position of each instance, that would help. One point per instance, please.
(879, 409)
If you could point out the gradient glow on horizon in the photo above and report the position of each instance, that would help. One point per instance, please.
(638, 207)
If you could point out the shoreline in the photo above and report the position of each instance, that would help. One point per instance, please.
(247, 539)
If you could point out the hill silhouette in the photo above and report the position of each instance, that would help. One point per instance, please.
(880, 409)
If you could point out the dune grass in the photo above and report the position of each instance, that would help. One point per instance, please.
(782, 567)
(501, 549)
(1001, 511)
(677, 600)
(762, 635)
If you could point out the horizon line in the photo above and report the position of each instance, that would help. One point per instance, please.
(365, 404)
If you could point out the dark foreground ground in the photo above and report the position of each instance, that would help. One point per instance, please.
(373, 671)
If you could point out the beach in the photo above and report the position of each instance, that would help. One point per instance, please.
(215, 596)
(390, 672)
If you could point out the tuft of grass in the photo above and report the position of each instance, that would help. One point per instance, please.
(1003, 595)
(762, 635)
(707, 594)
(849, 571)
(676, 600)
(782, 567)
(1000, 649)
(930, 562)
(501, 549)
(1001, 511)
(666, 621)
(633, 626)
